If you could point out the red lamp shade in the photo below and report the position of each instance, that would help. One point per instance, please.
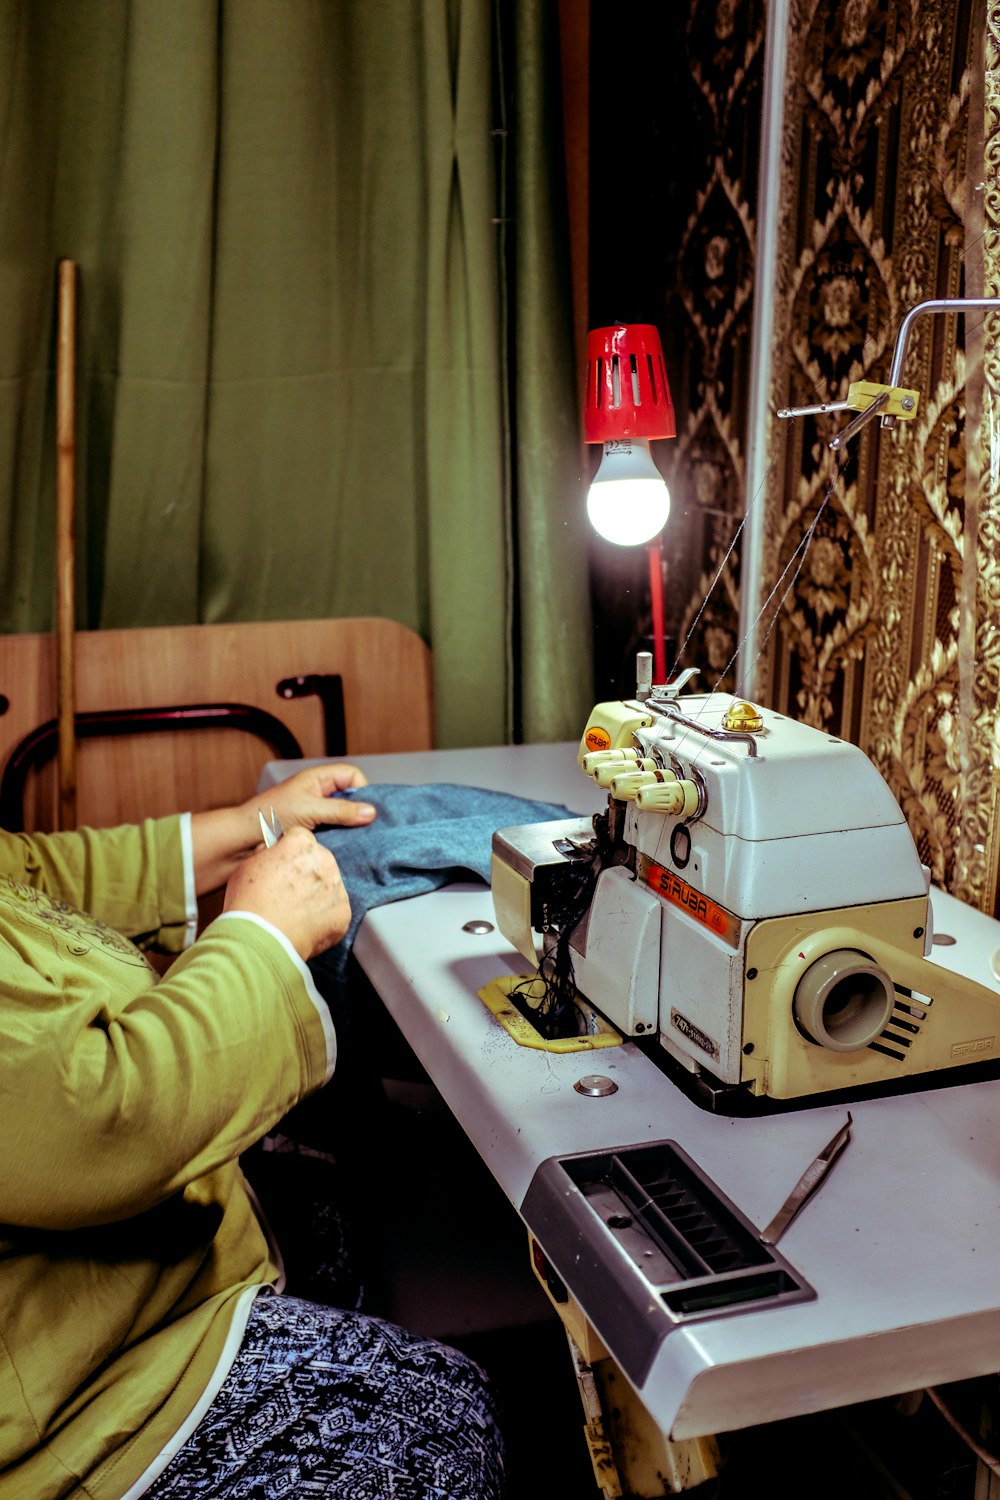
(626, 393)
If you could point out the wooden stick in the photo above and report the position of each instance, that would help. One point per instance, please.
(66, 540)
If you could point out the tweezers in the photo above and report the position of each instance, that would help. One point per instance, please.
(807, 1184)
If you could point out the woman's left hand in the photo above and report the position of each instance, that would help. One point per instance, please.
(306, 799)
(224, 836)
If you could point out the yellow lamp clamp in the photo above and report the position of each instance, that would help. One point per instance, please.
(869, 399)
(900, 402)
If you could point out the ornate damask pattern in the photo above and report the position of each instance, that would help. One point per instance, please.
(674, 147)
(884, 630)
(986, 691)
(708, 332)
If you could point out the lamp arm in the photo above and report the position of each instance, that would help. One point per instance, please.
(934, 305)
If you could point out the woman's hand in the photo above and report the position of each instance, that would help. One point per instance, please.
(296, 886)
(306, 799)
(224, 837)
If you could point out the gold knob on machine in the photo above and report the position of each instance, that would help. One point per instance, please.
(743, 718)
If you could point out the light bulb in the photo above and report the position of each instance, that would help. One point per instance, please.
(628, 502)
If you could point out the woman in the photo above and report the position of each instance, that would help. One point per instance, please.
(146, 1349)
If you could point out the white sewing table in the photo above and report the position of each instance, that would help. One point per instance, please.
(901, 1243)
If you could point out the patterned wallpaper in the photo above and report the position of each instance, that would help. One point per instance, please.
(709, 333)
(886, 634)
(886, 630)
(672, 243)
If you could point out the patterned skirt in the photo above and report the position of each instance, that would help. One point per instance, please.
(324, 1402)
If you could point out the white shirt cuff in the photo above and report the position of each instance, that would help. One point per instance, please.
(190, 894)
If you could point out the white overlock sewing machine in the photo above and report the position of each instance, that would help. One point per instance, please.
(752, 899)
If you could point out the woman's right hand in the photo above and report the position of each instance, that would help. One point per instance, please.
(296, 886)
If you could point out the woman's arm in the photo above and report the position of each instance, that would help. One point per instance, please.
(112, 1103)
(117, 1092)
(131, 877)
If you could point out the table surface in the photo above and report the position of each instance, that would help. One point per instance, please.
(902, 1242)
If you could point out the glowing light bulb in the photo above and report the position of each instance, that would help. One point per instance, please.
(628, 502)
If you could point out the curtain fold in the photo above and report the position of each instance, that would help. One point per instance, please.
(148, 289)
(293, 331)
(549, 485)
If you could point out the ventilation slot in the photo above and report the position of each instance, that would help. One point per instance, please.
(902, 1027)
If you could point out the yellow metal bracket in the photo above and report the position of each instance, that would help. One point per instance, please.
(869, 399)
(862, 395)
(901, 403)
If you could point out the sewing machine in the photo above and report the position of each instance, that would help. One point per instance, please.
(752, 898)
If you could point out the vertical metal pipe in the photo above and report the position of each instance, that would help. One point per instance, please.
(762, 338)
(655, 554)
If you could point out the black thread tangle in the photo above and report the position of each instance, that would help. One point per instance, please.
(555, 1013)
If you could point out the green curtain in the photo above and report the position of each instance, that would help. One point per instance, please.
(325, 361)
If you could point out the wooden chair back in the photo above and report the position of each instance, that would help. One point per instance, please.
(273, 667)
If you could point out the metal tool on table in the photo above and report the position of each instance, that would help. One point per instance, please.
(807, 1184)
(270, 827)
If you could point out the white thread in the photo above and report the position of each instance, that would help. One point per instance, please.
(801, 552)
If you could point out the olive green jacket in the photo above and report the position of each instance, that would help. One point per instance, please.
(129, 1246)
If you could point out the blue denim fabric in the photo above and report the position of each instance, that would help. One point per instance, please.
(424, 837)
